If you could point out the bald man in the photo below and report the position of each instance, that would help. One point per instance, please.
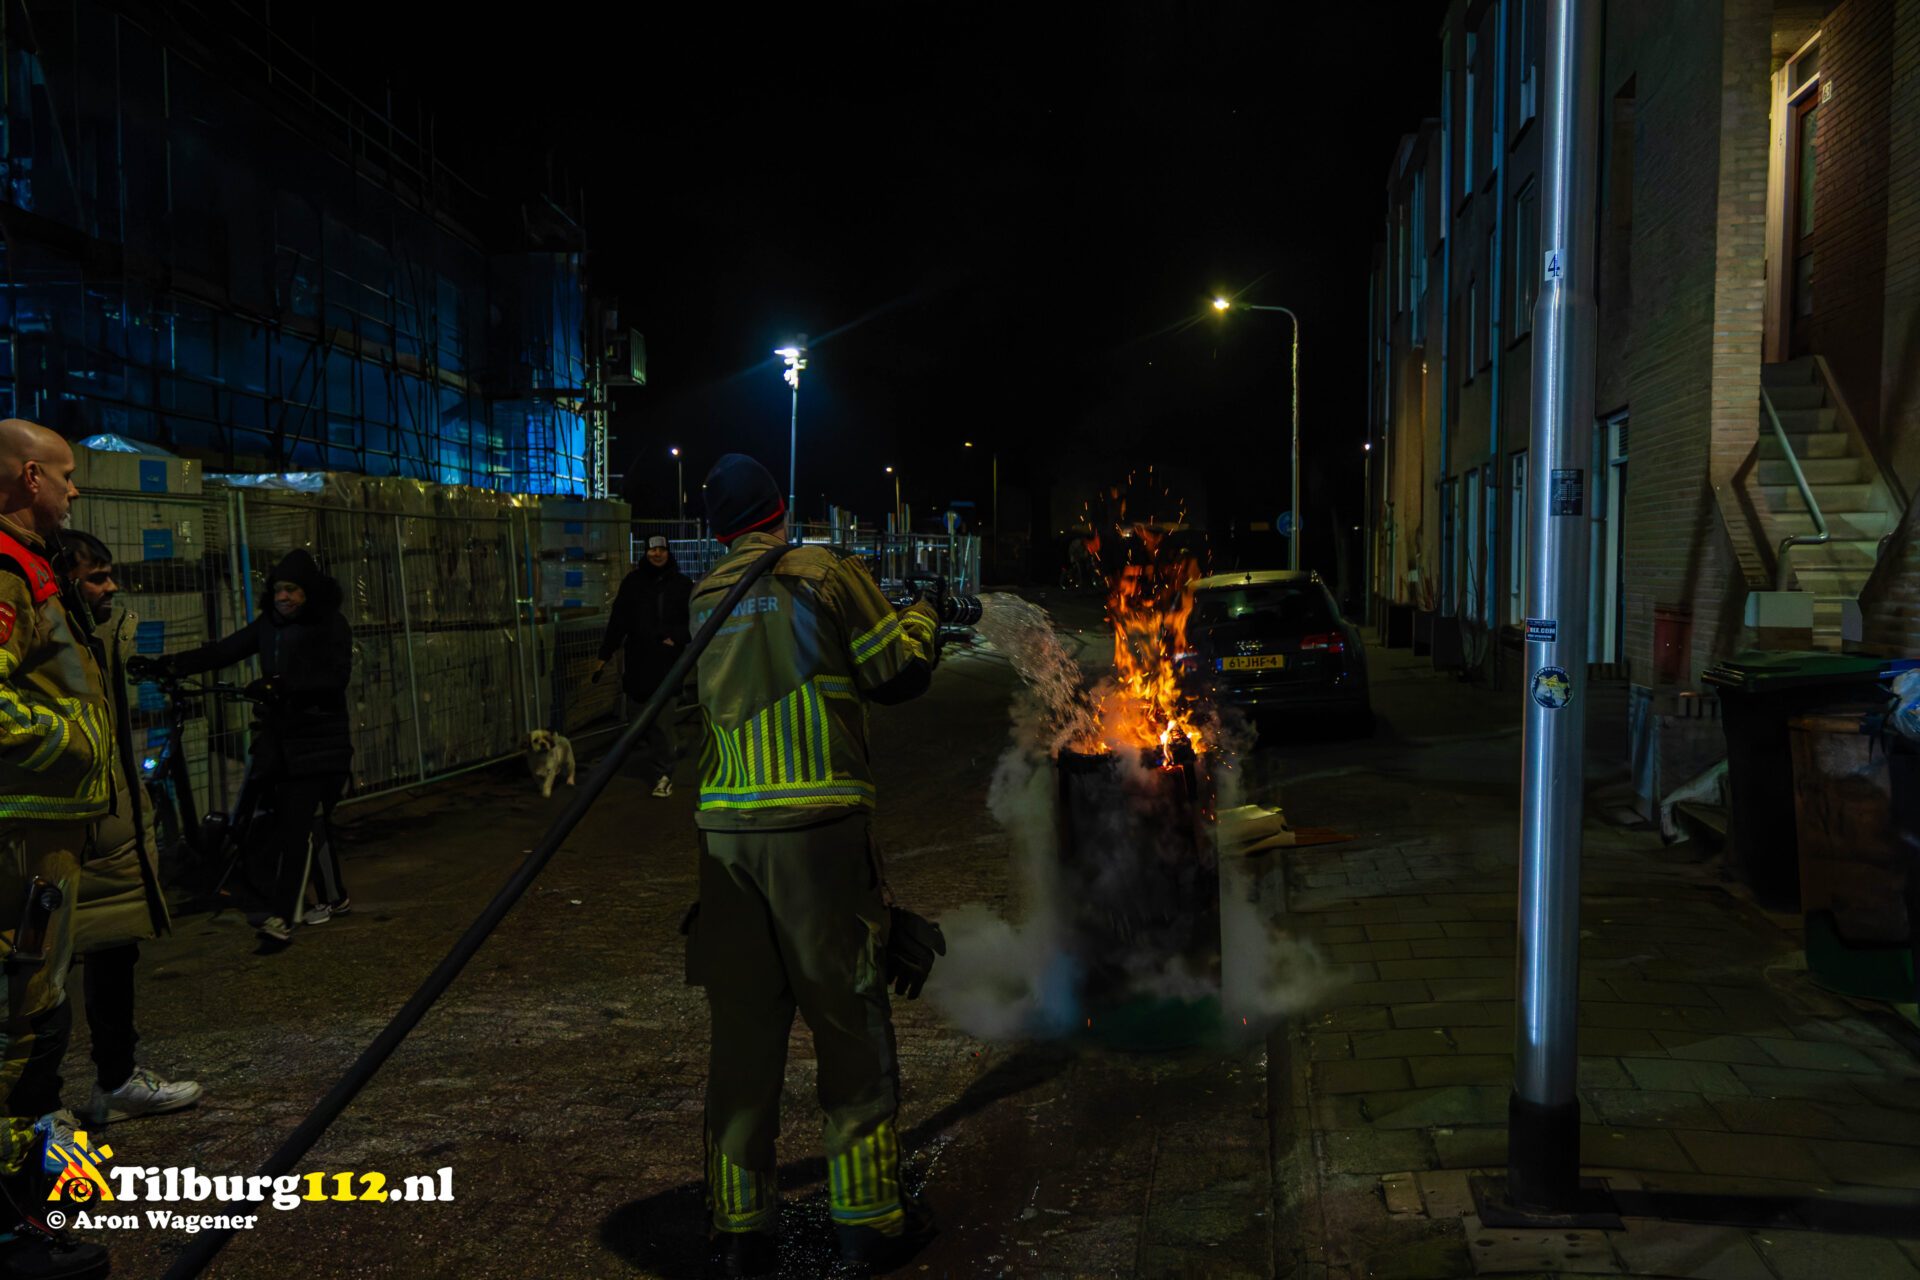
(55, 777)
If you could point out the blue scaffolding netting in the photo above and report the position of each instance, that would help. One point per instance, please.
(266, 289)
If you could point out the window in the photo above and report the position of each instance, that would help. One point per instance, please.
(1605, 634)
(1449, 546)
(1467, 117)
(1517, 535)
(1470, 335)
(1448, 161)
(1526, 258)
(1472, 607)
(1487, 329)
(1401, 269)
(1417, 263)
(1480, 115)
(1265, 610)
(1526, 36)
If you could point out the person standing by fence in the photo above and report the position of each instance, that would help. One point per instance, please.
(650, 617)
(302, 746)
(121, 901)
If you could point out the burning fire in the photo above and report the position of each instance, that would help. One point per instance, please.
(1148, 603)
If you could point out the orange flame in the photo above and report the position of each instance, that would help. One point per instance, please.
(1148, 605)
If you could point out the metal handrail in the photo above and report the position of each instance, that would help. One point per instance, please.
(1792, 540)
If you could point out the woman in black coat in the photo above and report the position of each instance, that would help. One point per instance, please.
(651, 616)
(302, 745)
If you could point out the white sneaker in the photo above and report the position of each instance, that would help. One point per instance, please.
(317, 914)
(663, 788)
(144, 1094)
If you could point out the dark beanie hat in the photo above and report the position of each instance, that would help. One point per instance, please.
(741, 497)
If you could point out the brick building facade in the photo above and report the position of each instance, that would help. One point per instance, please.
(1758, 289)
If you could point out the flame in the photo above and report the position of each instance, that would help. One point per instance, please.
(1148, 603)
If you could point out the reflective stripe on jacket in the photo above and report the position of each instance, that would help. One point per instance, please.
(55, 734)
(784, 685)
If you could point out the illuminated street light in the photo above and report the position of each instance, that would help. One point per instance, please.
(679, 482)
(896, 500)
(1293, 539)
(795, 357)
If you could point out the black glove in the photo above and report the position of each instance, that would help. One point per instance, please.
(267, 689)
(912, 943)
(141, 667)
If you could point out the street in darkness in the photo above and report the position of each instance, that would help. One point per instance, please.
(1223, 641)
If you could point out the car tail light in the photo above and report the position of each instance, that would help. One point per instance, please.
(1325, 642)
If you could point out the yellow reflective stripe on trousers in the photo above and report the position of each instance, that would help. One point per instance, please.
(863, 1184)
(741, 1200)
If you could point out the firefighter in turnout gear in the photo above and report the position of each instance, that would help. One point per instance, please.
(56, 754)
(793, 910)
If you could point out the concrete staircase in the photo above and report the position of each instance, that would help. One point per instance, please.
(1844, 481)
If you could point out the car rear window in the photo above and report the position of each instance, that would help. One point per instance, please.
(1279, 607)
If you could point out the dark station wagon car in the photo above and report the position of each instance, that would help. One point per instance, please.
(1271, 641)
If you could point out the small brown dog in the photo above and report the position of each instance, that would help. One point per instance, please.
(549, 755)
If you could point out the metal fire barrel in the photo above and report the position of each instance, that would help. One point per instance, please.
(1139, 877)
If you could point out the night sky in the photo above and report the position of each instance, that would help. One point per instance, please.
(998, 225)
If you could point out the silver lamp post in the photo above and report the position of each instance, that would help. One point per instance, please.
(1293, 541)
(679, 484)
(795, 358)
(1543, 1115)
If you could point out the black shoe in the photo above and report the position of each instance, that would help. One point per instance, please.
(865, 1251)
(29, 1252)
(28, 1249)
(743, 1253)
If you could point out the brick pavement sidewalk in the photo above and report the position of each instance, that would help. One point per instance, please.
(1710, 1066)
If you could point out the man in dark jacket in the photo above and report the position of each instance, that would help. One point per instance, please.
(301, 743)
(121, 901)
(650, 615)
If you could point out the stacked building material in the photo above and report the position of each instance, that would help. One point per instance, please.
(145, 507)
(583, 552)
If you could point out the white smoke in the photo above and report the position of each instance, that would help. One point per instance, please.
(1004, 980)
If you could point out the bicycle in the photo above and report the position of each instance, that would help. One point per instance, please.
(192, 845)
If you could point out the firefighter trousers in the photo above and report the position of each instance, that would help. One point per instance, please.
(34, 1035)
(795, 920)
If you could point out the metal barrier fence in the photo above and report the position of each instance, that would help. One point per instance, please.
(476, 616)
(894, 556)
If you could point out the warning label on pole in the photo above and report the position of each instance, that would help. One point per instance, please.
(1569, 491)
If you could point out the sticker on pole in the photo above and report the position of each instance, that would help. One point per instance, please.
(1569, 494)
(1543, 630)
(1554, 267)
(1551, 688)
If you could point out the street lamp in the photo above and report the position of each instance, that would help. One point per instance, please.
(679, 483)
(795, 358)
(1293, 542)
(896, 500)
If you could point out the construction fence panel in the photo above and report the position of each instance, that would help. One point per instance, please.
(476, 616)
(167, 545)
(582, 552)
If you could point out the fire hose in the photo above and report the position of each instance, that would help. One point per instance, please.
(203, 1250)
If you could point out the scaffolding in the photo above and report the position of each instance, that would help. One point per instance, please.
(210, 245)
